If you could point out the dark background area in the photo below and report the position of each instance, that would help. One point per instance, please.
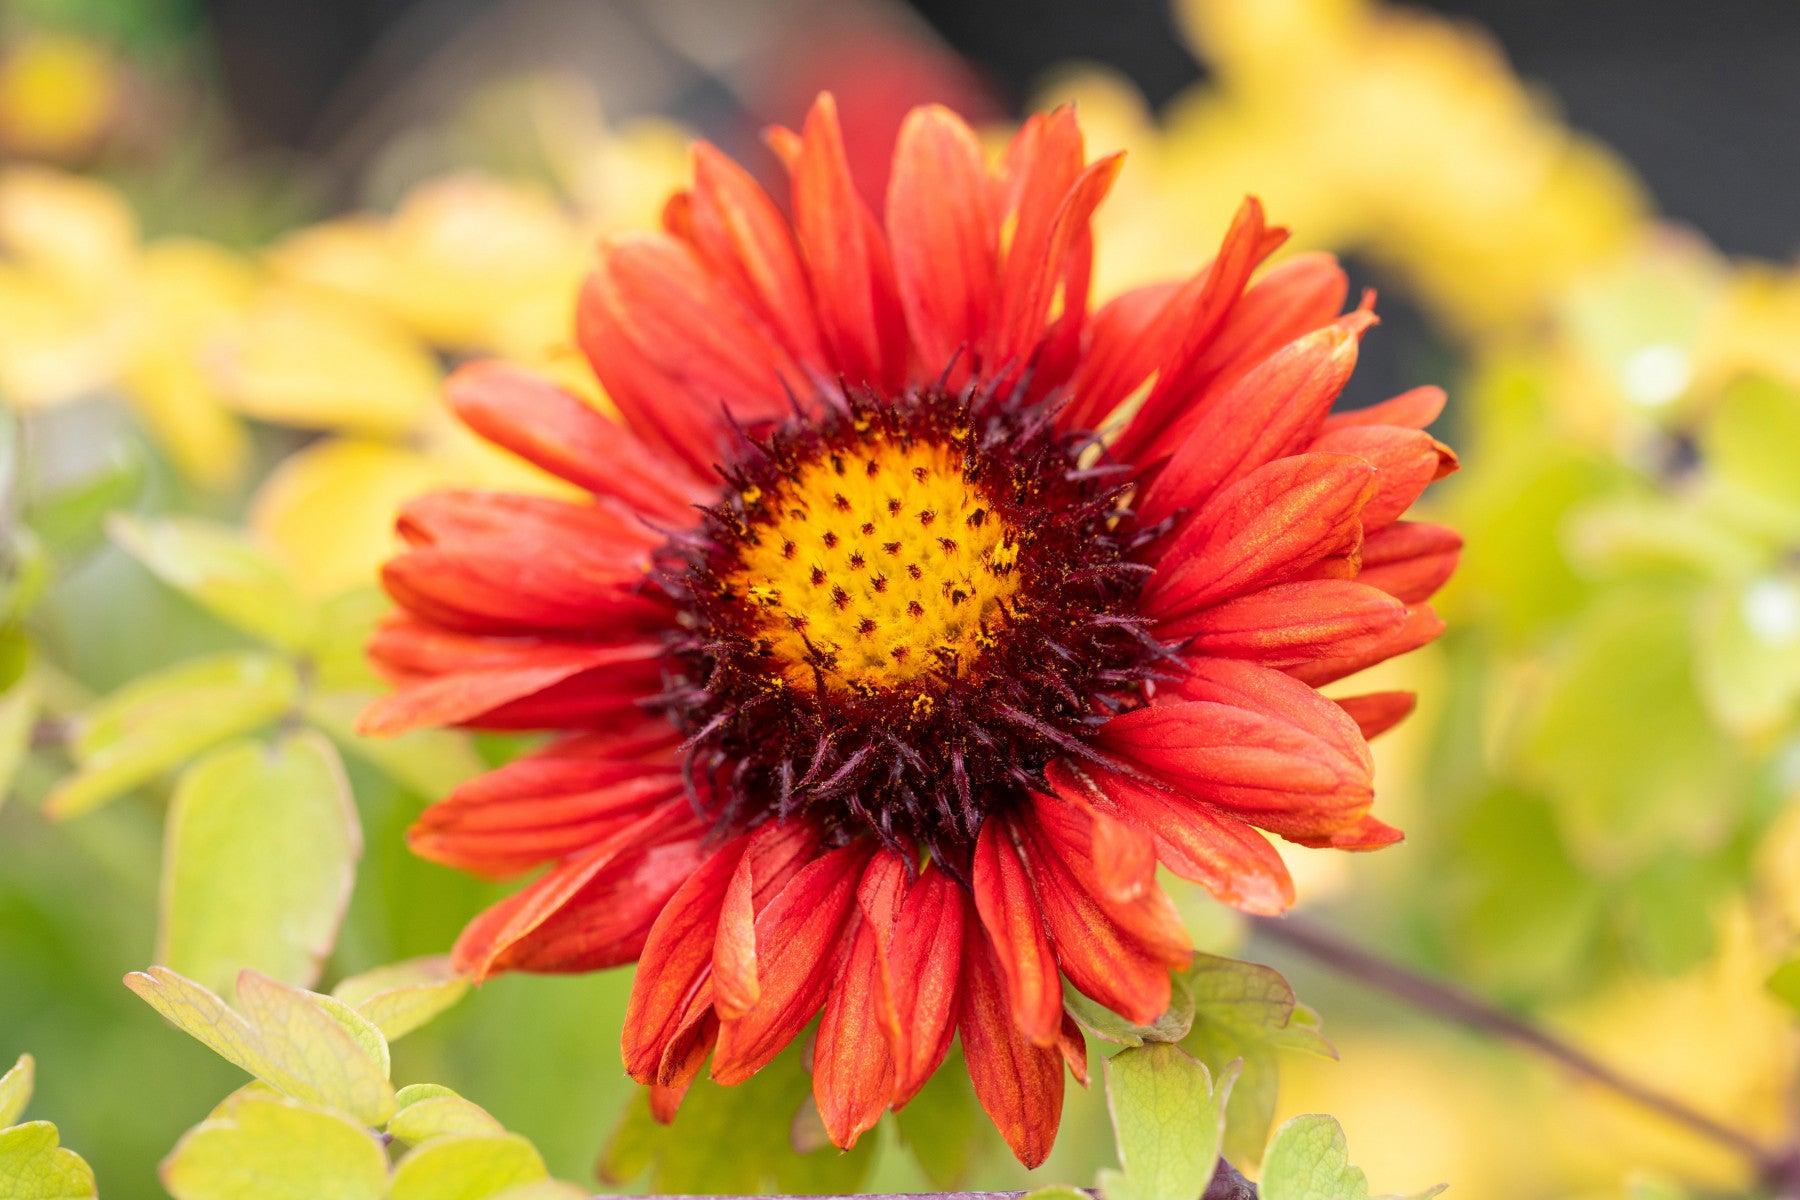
(1702, 96)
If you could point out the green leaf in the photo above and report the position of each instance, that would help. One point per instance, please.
(1308, 1160)
(1168, 1120)
(403, 996)
(1250, 1109)
(1109, 1026)
(34, 1167)
(425, 1111)
(15, 1089)
(1749, 442)
(944, 1127)
(277, 1150)
(70, 520)
(427, 761)
(733, 1140)
(259, 859)
(155, 723)
(362, 1030)
(466, 1168)
(18, 713)
(285, 1037)
(1747, 653)
(223, 571)
(1253, 1002)
(1620, 741)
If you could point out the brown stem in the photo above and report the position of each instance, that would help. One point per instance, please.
(1452, 1004)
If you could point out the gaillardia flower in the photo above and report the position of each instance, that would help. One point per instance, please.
(918, 613)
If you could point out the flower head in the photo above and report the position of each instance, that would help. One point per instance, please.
(918, 614)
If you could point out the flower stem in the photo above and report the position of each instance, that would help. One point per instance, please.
(1428, 995)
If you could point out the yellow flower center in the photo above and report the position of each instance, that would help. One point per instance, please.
(875, 567)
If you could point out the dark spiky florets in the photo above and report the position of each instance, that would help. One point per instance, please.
(899, 613)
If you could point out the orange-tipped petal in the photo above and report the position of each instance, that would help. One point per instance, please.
(1409, 560)
(777, 851)
(1019, 1083)
(1377, 712)
(853, 1069)
(924, 973)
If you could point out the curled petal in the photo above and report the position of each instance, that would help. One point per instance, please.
(1292, 623)
(1414, 409)
(1377, 712)
(1015, 925)
(853, 1069)
(1421, 626)
(800, 941)
(776, 853)
(1405, 462)
(924, 972)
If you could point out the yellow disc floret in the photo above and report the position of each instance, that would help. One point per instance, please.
(875, 567)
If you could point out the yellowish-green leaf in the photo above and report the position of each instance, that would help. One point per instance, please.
(259, 859)
(158, 722)
(1168, 1120)
(1109, 1026)
(285, 1038)
(18, 712)
(277, 1150)
(1749, 443)
(428, 761)
(15, 1090)
(365, 1032)
(1308, 1160)
(542, 1189)
(1747, 653)
(221, 570)
(466, 1168)
(34, 1167)
(403, 996)
(421, 1118)
(1057, 1191)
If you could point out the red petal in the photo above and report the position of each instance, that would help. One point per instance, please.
(1188, 326)
(1264, 529)
(853, 1071)
(1410, 561)
(748, 242)
(1415, 410)
(776, 853)
(1285, 777)
(1270, 413)
(1193, 839)
(800, 941)
(942, 237)
(1405, 462)
(1366, 834)
(1068, 827)
(1377, 712)
(593, 912)
(674, 349)
(1019, 1085)
(1120, 354)
(1291, 623)
(552, 429)
(924, 970)
(677, 960)
(1010, 914)
(1099, 957)
(550, 803)
(1422, 625)
(453, 679)
(846, 258)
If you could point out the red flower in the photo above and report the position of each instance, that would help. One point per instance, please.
(885, 682)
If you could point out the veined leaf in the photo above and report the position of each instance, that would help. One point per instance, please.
(1308, 1160)
(277, 1150)
(403, 996)
(259, 859)
(284, 1037)
(428, 1110)
(34, 1167)
(155, 723)
(1109, 1026)
(220, 569)
(1168, 1119)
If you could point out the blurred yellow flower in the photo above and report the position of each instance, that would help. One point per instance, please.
(86, 309)
(1398, 135)
(57, 94)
